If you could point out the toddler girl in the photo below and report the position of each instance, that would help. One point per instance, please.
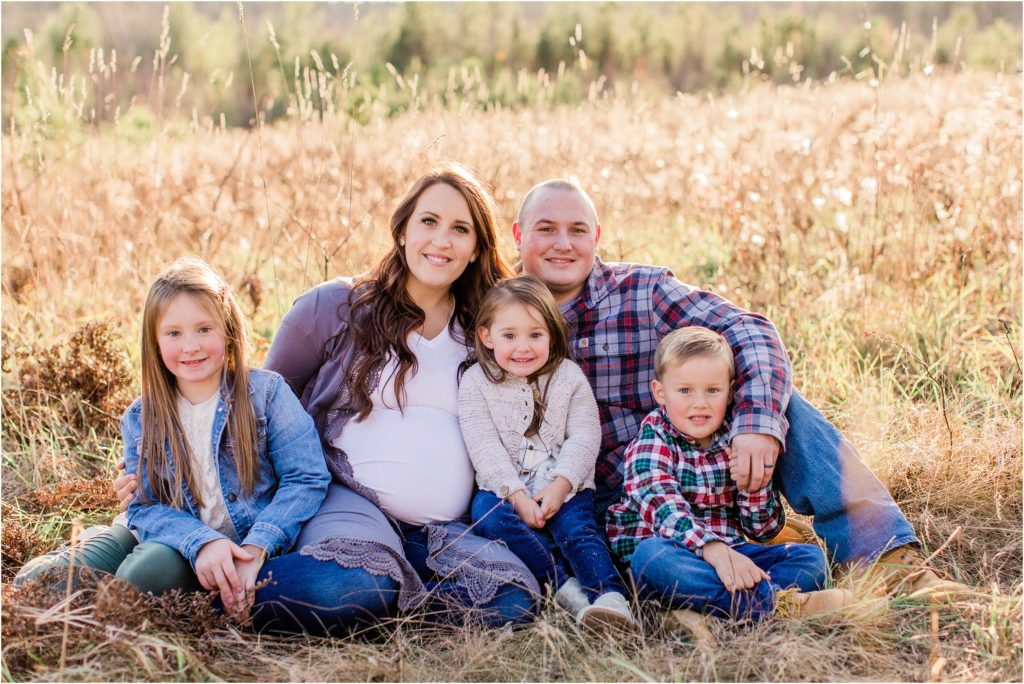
(531, 426)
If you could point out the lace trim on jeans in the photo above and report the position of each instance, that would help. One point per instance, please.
(375, 558)
(482, 578)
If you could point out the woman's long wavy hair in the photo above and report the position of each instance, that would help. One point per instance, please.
(528, 291)
(162, 431)
(382, 313)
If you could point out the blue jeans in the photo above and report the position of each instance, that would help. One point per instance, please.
(672, 574)
(450, 600)
(303, 595)
(569, 544)
(821, 474)
(467, 576)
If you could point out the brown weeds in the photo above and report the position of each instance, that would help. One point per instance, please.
(94, 494)
(86, 378)
(831, 208)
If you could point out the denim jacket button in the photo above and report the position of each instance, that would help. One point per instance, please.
(232, 497)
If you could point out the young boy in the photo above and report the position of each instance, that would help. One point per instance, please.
(682, 522)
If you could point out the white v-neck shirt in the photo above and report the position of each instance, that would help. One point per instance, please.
(415, 459)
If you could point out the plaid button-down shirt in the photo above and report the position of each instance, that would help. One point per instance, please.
(679, 491)
(615, 324)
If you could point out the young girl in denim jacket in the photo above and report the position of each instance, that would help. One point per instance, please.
(531, 426)
(227, 463)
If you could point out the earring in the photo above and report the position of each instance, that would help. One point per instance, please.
(472, 259)
(401, 242)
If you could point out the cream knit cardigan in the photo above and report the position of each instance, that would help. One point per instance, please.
(495, 416)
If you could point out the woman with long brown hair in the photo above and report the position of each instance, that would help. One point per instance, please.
(375, 361)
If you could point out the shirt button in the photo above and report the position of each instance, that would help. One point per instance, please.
(232, 497)
(605, 346)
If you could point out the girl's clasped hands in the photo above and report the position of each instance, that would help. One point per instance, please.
(537, 510)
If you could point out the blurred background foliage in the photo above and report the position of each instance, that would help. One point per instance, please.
(144, 66)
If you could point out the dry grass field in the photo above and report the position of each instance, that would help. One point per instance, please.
(878, 227)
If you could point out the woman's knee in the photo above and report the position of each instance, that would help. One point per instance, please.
(157, 568)
(512, 604)
(328, 601)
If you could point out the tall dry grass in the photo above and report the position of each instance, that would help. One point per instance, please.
(878, 227)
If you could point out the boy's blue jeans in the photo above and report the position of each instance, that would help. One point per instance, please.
(570, 544)
(677, 577)
(820, 474)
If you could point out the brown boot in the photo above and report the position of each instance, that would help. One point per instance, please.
(904, 571)
(801, 604)
(692, 624)
(795, 532)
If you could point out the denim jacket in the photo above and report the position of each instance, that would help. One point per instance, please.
(291, 482)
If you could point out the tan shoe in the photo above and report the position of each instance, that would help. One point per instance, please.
(795, 532)
(692, 624)
(801, 604)
(904, 571)
(608, 611)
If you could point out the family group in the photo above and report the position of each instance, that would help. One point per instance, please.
(452, 435)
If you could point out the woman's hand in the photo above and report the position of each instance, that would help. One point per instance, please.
(736, 571)
(247, 572)
(527, 509)
(215, 569)
(124, 486)
(553, 496)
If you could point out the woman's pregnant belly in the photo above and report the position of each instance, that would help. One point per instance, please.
(416, 462)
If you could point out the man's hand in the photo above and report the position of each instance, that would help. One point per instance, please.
(527, 509)
(752, 460)
(247, 572)
(553, 496)
(124, 487)
(215, 569)
(736, 571)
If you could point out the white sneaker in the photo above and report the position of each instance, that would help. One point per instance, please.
(610, 609)
(571, 597)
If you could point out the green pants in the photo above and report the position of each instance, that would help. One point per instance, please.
(150, 566)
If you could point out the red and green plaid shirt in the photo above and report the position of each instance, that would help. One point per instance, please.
(677, 490)
(615, 324)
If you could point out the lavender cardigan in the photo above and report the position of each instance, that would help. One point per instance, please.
(312, 350)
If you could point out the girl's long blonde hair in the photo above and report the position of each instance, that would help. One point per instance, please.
(161, 426)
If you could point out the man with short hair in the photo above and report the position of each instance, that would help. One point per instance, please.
(616, 315)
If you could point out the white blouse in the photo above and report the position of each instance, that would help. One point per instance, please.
(415, 459)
